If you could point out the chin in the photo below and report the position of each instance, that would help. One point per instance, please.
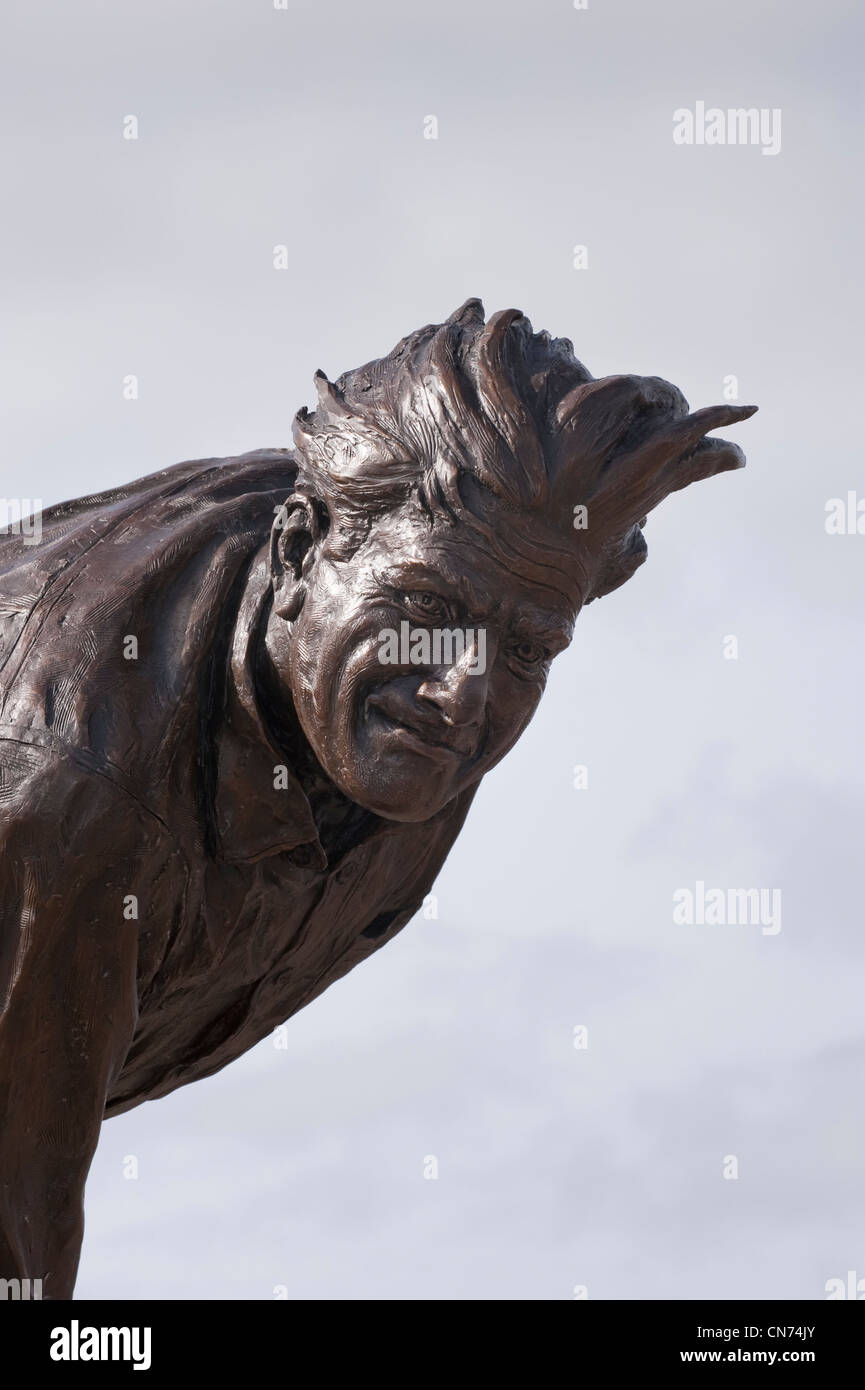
(395, 805)
(399, 798)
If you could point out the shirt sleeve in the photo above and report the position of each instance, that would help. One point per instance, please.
(67, 999)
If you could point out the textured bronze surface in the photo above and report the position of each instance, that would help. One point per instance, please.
(216, 795)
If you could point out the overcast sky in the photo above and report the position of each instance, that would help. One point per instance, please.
(302, 1169)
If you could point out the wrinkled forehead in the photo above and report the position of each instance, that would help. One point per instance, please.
(496, 554)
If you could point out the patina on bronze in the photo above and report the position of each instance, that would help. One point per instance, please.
(215, 797)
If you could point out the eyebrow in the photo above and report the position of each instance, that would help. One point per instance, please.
(536, 620)
(545, 625)
(418, 572)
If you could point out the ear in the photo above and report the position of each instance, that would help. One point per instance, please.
(294, 541)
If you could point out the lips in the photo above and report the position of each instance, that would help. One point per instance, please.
(433, 738)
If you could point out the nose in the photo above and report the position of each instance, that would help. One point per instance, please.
(458, 692)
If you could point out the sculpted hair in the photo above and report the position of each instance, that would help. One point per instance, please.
(515, 412)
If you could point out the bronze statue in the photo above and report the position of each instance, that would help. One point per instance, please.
(245, 704)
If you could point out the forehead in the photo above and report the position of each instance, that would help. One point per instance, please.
(494, 565)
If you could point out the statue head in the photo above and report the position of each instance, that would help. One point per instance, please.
(456, 504)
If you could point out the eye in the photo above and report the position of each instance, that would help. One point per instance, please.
(528, 653)
(426, 605)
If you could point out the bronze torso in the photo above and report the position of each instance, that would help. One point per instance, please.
(243, 915)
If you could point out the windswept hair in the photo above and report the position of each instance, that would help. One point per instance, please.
(518, 413)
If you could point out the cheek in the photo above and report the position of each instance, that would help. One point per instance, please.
(309, 654)
(335, 655)
(510, 706)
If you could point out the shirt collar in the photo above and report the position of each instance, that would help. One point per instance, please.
(260, 806)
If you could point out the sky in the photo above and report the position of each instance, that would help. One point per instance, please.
(551, 1089)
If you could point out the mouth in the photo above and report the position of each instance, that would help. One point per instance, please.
(415, 737)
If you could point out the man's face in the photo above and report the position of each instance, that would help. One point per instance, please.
(401, 723)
